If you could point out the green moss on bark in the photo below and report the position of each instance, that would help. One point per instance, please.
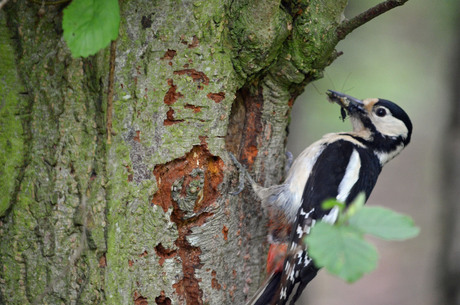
(11, 115)
(258, 31)
(314, 36)
(53, 237)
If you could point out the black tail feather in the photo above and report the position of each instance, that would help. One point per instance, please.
(265, 294)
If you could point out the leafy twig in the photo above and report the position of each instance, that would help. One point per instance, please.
(341, 247)
(349, 25)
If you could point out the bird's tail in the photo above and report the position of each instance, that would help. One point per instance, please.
(264, 295)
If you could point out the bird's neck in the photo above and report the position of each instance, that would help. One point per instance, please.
(384, 147)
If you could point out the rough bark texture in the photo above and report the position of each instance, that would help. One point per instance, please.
(146, 218)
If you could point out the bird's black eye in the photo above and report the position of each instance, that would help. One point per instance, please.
(381, 112)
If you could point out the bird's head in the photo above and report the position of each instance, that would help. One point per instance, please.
(382, 124)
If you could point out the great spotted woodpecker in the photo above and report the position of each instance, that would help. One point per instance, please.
(340, 166)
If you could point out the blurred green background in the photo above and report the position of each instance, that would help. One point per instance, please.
(404, 56)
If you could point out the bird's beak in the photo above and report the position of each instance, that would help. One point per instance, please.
(349, 103)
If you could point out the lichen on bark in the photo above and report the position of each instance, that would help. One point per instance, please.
(172, 102)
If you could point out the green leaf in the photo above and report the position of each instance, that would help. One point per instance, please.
(90, 25)
(330, 203)
(356, 205)
(384, 223)
(341, 250)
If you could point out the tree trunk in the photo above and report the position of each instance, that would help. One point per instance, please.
(449, 246)
(143, 215)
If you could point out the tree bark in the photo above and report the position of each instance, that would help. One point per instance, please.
(143, 215)
(449, 246)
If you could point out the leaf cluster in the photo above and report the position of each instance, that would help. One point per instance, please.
(341, 247)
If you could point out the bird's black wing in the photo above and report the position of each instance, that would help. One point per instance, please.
(337, 171)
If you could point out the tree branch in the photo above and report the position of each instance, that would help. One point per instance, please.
(349, 26)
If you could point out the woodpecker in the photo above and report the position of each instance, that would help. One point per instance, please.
(339, 165)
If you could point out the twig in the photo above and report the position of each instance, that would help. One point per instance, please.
(113, 50)
(2, 3)
(348, 26)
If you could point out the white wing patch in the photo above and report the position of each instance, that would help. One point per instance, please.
(288, 265)
(299, 230)
(291, 275)
(306, 228)
(350, 177)
(331, 217)
(283, 293)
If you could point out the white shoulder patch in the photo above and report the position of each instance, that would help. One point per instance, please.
(331, 217)
(351, 176)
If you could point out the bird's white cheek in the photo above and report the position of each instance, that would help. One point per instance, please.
(390, 126)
